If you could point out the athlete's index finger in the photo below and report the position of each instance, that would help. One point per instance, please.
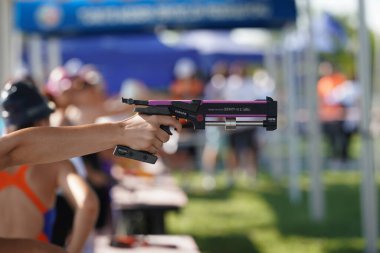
(170, 121)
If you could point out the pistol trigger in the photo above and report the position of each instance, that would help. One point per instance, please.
(166, 129)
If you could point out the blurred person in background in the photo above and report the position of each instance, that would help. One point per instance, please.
(134, 88)
(331, 111)
(29, 190)
(186, 85)
(347, 95)
(214, 136)
(263, 84)
(244, 143)
(78, 91)
(64, 211)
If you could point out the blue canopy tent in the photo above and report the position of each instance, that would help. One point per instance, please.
(84, 16)
(140, 54)
(146, 58)
(119, 57)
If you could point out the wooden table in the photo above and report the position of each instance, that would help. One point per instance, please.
(162, 181)
(181, 243)
(140, 207)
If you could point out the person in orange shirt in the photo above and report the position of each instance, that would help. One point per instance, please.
(331, 112)
(330, 80)
(186, 83)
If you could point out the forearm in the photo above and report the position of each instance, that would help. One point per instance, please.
(84, 222)
(27, 246)
(50, 144)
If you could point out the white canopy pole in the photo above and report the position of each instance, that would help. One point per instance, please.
(368, 187)
(54, 55)
(35, 58)
(16, 52)
(291, 132)
(375, 127)
(317, 200)
(5, 39)
(275, 143)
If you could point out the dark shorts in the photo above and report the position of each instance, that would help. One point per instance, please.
(243, 139)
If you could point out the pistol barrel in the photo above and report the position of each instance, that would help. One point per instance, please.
(231, 124)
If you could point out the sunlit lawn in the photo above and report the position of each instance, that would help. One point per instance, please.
(261, 218)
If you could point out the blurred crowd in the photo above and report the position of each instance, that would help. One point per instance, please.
(235, 150)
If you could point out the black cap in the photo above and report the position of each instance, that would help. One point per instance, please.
(23, 104)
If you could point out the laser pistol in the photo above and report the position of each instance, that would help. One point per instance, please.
(200, 113)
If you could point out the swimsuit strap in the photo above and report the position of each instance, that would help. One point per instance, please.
(18, 179)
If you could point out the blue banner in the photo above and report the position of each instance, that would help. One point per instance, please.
(80, 16)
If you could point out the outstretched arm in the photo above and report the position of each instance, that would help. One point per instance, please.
(50, 144)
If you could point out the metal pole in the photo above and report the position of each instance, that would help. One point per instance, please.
(16, 52)
(376, 101)
(291, 132)
(35, 58)
(5, 39)
(368, 186)
(236, 123)
(275, 141)
(317, 200)
(54, 57)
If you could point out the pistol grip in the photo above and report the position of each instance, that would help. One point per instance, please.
(127, 152)
(143, 156)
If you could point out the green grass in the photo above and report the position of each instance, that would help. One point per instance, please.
(260, 218)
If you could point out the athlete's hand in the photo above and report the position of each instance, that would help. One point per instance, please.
(143, 132)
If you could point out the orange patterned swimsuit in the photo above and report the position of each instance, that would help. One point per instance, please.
(18, 179)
